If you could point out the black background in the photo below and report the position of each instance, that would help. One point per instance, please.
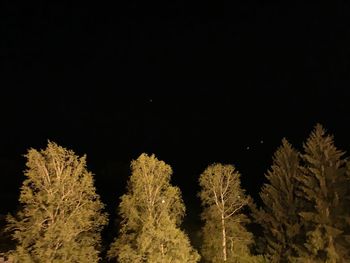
(194, 83)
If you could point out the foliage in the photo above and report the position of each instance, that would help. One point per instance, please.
(278, 216)
(323, 187)
(61, 215)
(225, 238)
(151, 211)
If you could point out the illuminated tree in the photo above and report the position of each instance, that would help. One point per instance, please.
(323, 186)
(6, 242)
(279, 216)
(151, 212)
(61, 215)
(225, 238)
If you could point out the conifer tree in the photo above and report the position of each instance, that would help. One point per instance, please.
(225, 238)
(346, 205)
(61, 215)
(151, 212)
(323, 187)
(279, 216)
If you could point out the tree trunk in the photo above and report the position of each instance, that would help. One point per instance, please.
(162, 250)
(223, 238)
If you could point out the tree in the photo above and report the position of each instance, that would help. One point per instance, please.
(61, 215)
(323, 184)
(346, 205)
(6, 242)
(278, 216)
(225, 238)
(151, 212)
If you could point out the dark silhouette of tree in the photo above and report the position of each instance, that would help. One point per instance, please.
(61, 216)
(151, 211)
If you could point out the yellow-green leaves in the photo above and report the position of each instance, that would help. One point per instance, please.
(61, 216)
(151, 212)
(225, 238)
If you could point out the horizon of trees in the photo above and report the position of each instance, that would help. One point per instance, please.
(303, 216)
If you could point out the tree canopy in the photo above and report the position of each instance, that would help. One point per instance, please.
(279, 215)
(151, 212)
(61, 214)
(323, 187)
(225, 238)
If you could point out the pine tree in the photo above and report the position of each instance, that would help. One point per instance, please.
(346, 205)
(151, 212)
(323, 187)
(225, 238)
(278, 216)
(61, 215)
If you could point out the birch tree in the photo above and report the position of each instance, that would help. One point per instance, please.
(61, 215)
(151, 211)
(225, 238)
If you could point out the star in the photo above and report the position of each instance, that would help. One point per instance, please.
(261, 141)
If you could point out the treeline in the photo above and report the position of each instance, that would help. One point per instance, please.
(304, 216)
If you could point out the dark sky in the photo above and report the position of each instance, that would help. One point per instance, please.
(193, 83)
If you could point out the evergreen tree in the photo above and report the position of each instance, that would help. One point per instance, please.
(278, 216)
(323, 186)
(346, 205)
(61, 215)
(225, 238)
(151, 212)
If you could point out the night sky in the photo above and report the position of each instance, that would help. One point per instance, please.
(192, 83)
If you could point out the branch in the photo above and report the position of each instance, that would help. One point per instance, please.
(235, 210)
